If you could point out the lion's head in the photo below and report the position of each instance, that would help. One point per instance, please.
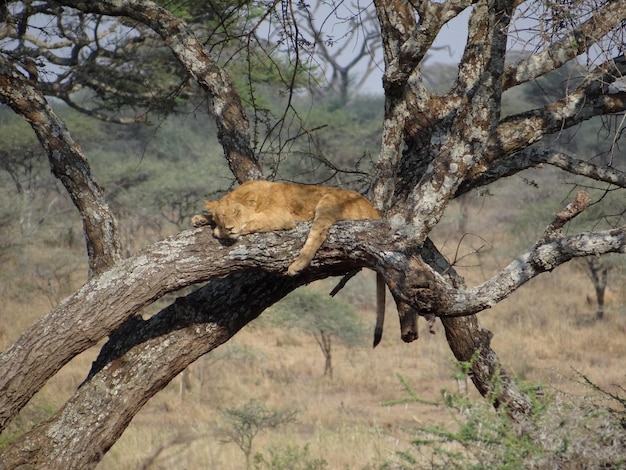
(229, 217)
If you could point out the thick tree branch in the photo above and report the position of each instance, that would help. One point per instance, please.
(534, 156)
(68, 165)
(544, 257)
(145, 360)
(479, 84)
(592, 98)
(110, 299)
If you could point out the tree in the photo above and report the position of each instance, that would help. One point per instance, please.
(360, 34)
(241, 425)
(324, 318)
(434, 148)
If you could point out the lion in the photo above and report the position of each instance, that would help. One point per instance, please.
(264, 206)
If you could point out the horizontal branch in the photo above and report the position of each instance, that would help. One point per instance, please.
(581, 39)
(518, 132)
(592, 98)
(106, 301)
(534, 156)
(544, 257)
(194, 256)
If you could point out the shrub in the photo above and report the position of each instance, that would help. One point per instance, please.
(564, 431)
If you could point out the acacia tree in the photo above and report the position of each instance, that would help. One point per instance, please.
(434, 148)
(357, 31)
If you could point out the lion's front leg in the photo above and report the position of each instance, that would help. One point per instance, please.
(324, 217)
(299, 264)
(313, 242)
(200, 220)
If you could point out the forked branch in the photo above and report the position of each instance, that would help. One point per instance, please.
(551, 251)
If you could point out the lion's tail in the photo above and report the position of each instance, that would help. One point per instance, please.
(380, 308)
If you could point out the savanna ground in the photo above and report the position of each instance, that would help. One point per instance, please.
(545, 334)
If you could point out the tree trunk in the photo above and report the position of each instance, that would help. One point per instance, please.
(68, 164)
(471, 343)
(136, 366)
(599, 273)
(433, 149)
(324, 342)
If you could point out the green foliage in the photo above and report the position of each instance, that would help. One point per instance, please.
(325, 318)
(260, 72)
(562, 432)
(288, 458)
(312, 311)
(241, 425)
(412, 396)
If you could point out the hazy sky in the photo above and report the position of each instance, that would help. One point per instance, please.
(448, 48)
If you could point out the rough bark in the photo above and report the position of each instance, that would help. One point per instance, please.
(131, 371)
(433, 149)
(68, 164)
(109, 300)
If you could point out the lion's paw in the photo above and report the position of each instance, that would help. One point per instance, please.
(199, 220)
(297, 267)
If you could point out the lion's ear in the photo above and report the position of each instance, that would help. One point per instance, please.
(211, 207)
(250, 199)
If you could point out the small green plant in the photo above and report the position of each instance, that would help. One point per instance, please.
(241, 425)
(288, 458)
(563, 431)
(412, 398)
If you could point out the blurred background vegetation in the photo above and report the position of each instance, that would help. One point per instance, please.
(156, 175)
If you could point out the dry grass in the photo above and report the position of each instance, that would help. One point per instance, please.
(542, 334)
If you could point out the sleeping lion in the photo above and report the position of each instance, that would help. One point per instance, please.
(264, 206)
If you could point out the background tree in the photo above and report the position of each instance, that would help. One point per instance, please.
(322, 317)
(242, 424)
(434, 147)
(348, 53)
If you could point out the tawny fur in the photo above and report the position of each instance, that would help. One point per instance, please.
(264, 206)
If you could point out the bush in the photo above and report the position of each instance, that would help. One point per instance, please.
(288, 458)
(564, 431)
